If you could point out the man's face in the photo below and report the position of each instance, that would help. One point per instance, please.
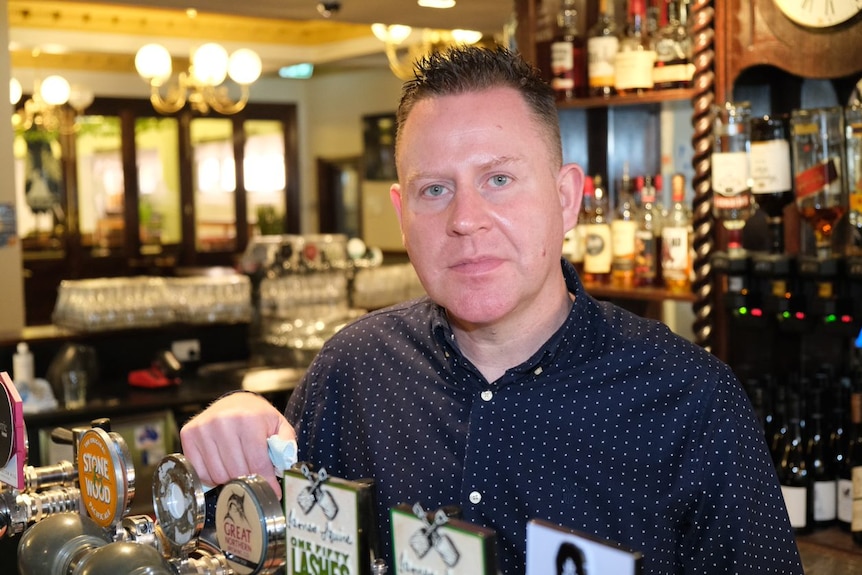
(482, 204)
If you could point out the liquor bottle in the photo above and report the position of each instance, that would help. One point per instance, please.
(634, 62)
(597, 241)
(853, 128)
(568, 55)
(624, 226)
(603, 43)
(546, 31)
(675, 240)
(771, 174)
(850, 475)
(656, 16)
(818, 152)
(647, 237)
(793, 473)
(820, 463)
(731, 185)
(673, 65)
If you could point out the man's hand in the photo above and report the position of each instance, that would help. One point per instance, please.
(228, 439)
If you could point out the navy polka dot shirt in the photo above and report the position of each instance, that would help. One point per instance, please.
(616, 427)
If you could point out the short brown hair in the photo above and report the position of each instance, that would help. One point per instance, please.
(469, 68)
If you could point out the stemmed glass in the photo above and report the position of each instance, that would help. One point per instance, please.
(818, 152)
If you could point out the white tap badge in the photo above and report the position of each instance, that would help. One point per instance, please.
(328, 523)
(553, 549)
(440, 545)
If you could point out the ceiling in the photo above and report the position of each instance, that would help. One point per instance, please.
(104, 34)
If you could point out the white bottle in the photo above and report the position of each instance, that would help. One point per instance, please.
(22, 370)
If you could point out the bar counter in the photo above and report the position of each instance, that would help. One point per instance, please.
(830, 552)
(226, 367)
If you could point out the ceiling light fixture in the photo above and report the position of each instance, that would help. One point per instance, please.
(44, 110)
(436, 3)
(202, 86)
(402, 54)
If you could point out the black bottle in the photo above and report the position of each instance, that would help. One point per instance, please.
(793, 473)
(822, 474)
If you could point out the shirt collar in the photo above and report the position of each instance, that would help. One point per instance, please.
(545, 356)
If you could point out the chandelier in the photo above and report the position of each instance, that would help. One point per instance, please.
(202, 86)
(45, 109)
(402, 54)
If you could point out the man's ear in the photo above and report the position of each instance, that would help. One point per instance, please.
(395, 198)
(570, 187)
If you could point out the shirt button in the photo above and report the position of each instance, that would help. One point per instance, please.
(487, 395)
(475, 497)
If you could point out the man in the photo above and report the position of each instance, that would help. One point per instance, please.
(509, 391)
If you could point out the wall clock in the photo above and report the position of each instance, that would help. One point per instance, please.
(807, 38)
(819, 13)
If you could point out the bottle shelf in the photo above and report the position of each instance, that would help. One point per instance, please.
(603, 291)
(830, 551)
(652, 97)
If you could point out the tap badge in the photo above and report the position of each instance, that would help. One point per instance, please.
(238, 528)
(314, 494)
(327, 522)
(429, 537)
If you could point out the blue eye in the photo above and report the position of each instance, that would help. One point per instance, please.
(500, 180)
(435, 190)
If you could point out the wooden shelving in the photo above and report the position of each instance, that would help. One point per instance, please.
(651, 97)
(653, 294)
(830, 552)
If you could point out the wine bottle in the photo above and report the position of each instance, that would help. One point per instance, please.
(568, 55)
(603, 43)
(820, 465)
(845, 468)
(793, 473)
(778, 437)
(771, 174)
(850, 488)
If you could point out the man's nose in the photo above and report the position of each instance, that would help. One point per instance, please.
(468, 211)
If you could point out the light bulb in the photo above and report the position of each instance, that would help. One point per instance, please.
(153, 63)
(55, 90)
(244, 66)
(466, 36)
(15, 91)
(396, 33)
(209, 64)
(80, 97)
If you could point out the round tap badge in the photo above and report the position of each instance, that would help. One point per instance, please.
(250, 526)
(101, 477)
(7, 428)
(178, 500)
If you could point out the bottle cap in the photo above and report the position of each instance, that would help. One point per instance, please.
(589, 186)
